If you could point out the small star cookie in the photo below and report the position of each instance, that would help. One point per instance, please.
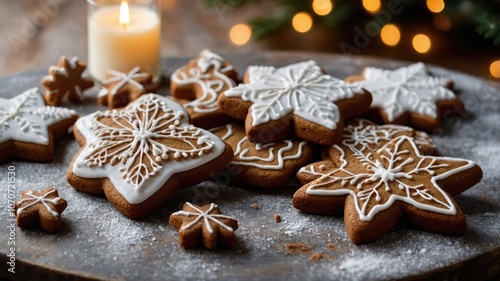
(41, 208)
(265, 165)
(374, 189)
(141, 154)
(204, 225)
(198, 84)
(28, 128)
(298, 99)
(65, 81)
(409, 95)
(119, 89)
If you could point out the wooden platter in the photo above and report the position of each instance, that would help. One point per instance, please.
(96, 242)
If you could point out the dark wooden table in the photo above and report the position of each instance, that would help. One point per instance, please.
(97, 242)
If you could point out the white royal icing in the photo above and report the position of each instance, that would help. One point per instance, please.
(211, 84)
(206, 216)
(120, 152)
(25, 118)
(301, 89)
(33, 199)
(405, 89)
(275, 160)
(386, 176)
(122, 79)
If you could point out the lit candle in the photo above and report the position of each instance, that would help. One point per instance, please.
(121, 37)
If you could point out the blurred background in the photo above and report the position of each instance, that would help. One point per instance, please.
(462, 35)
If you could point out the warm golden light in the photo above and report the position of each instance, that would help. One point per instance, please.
(442, 22)
(390, 35)
(421, 43)
(435, 6)
(240, 34)
(302, 22)
(322, 7)
(372, 6)
(495, 69)
(124, 13)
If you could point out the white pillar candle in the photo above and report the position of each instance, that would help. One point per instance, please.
(122, 46)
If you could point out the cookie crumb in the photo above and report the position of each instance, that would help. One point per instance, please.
(255, 206)
(330, 246)
(317, 257)
(277, 218)
(292, 248)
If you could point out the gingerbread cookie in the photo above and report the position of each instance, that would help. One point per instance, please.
(65, 81)
(374, 189)
(204, 225)
(41, 208)
(265, 165)
(197, 86)
(141, 154)
(298, 99)
(409, 95)
(28, 128)
(119, 88)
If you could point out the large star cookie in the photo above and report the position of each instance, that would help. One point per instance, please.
(140, 155)
(41, 208)
(363, 135)
(204, 225)
(119, 88)
(375, 188)
(197, 86)
(28, 128)
(65, 81)
(298, 99)
(266, 165)
(409, 95)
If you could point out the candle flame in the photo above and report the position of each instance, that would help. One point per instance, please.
(124, 13)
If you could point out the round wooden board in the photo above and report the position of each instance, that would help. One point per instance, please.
(97, 242)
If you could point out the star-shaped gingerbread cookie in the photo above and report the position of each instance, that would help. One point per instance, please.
(41, 208)
(141, 154)
(298, 99)
(265, 165)
(204, 225)
(119, 88)
(374, 189)
(409, 95)
(65, 81)
(28, 128)
(198, 84)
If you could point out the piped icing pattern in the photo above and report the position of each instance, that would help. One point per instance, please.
(139, 147)
(275, 155)
(26, 118)
(302, 89)
(406, 89)
(212, 83)
(204, 217)
(120, 79)
(32, 200)
(387, 175)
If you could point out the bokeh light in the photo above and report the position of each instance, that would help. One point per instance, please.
(372, 6)
(435, 6)
(240, 34)
(421, 43)
(442, 22)
(322, 7)
(302, 22)
(495, 69)
(390, 35)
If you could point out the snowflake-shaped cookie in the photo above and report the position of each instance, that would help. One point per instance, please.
(141, 149)
(409, 95)
(298, 98)
(204, 224)
(119, 88)
(41, 208)
(65, 81)
(377, 187)
(27, 121)
(198, 84)
(266, 165)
